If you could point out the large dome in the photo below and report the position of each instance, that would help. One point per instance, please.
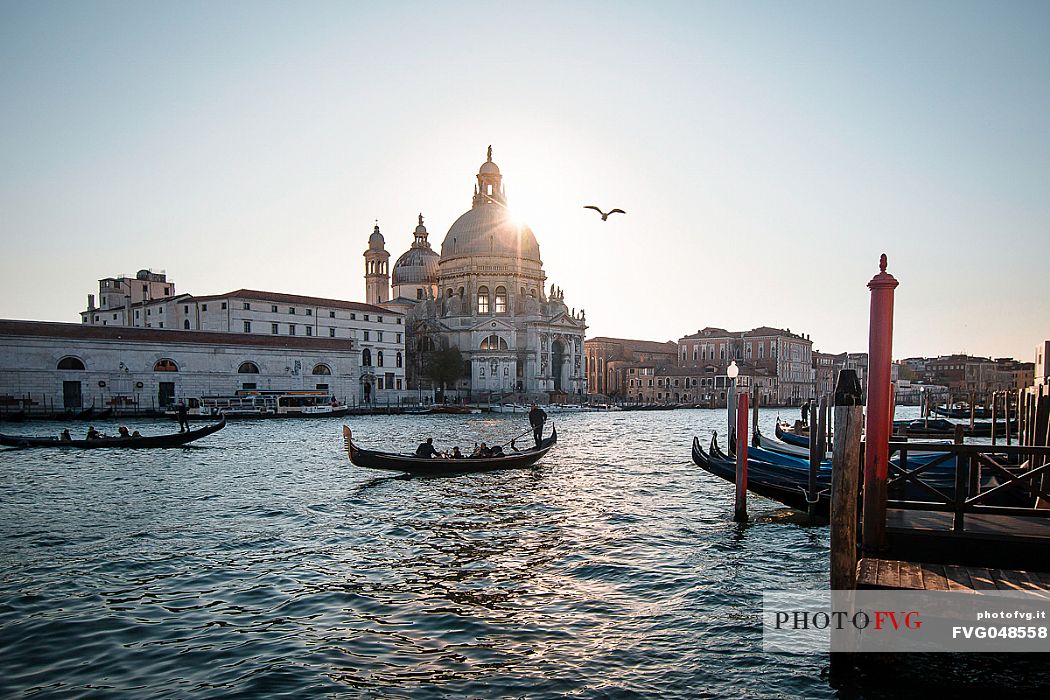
(416, 266)
(488, 229)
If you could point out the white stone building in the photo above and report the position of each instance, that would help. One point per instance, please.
(58, 366)
(377, 334)
(485, 295)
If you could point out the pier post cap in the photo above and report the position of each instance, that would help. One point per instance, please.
(847, 389)
(883, 280)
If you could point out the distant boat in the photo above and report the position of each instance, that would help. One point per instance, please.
(147, 441)
(437, 466)
(508, 408)
(961, 411)
(455, 409)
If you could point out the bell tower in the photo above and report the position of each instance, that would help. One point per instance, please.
(377, 269)
(489, 189)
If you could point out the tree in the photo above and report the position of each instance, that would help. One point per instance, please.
(443, 366)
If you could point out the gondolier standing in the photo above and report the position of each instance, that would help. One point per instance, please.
(184, 421)
(537, 417)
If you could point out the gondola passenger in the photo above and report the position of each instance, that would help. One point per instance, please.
(93, 434)
(65, 436)
(456, 454)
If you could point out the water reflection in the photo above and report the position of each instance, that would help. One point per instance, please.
(264, 562)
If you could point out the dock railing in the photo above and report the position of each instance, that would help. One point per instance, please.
(1020, 472)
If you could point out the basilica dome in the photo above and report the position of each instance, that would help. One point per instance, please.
(488, 229)
(419, 264)
(415, 266)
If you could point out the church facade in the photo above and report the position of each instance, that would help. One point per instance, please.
(485, 294)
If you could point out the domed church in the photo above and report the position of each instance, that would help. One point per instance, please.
(484, 294)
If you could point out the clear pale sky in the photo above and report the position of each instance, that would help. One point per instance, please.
(766, 154)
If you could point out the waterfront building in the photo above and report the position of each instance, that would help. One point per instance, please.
(48, 367)
(606, 360)
(965, 375)
(376, 333)
(706, 386)
(117, 294)
(772, 352)
(484, 295)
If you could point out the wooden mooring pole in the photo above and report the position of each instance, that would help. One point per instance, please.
(878, 420)
(740, 508)
(845, 480)
(818, 447)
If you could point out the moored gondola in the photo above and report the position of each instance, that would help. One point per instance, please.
(437, 466)
(147, 441)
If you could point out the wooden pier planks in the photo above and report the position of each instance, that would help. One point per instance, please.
(906, 575)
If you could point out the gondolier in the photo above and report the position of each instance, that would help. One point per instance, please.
(180, 412)
(537, 417)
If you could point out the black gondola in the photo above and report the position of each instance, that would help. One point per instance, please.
(764, 480)
(961, 412)
(436, 466)
(170, 440)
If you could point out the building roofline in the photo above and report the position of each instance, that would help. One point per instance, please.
(125, 334)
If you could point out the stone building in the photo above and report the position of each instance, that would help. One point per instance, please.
(59, 366)
(965, 375)
(607, 358)
(376, 333)
(485, 295)
(772, 352)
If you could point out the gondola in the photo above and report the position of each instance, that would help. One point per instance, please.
(434, 467)
(961, 412)
(170, 440)
(785, 479)
(86, 414)
(13, 416)
(765, 480)
(791, 438)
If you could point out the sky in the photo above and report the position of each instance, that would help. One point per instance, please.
(766, 154)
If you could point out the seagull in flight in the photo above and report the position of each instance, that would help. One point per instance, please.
(605, 215)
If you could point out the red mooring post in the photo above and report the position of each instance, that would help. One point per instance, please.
(879, 419)
(740, 510)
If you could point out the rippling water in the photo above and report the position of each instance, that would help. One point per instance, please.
(263, 562)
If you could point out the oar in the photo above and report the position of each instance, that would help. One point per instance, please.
(516, 437)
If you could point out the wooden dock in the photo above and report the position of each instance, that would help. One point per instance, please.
(890, 574)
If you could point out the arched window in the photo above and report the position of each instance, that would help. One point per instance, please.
(462, 292)
(366, 358)
(248, 368)
(448, 293)
(186, 324)
(70, 363)
(379, 359)
(501, 300)
(494, 342)
(483, 300)
(165, 366)
(399, 360)
(532, 293)
(322, 369)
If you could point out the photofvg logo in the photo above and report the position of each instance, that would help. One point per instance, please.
(815, 622)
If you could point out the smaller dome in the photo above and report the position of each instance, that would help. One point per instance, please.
(489, 168)
(376, 240)
(416, 266)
